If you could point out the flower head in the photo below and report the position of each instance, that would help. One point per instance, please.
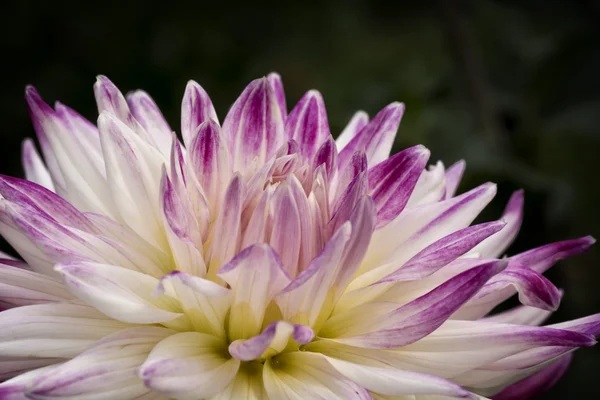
(262, 259)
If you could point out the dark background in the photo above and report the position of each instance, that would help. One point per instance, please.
(513, 87)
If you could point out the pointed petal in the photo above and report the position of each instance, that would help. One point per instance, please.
(384, 325)
(147, 113)
(118, 292)
(189, 366)
(196, 108)
(358, 121)
(453, 176)
(390, 381)
(253, 127)
(430, 187)
(53, 330)
(277, 85)
(286, 237)
(35, 169)
(542, 258)
(496, 245)
(209, 158)
(392, 181)
(307, 124)
(326, 155)
(377, 137)
(255, 275)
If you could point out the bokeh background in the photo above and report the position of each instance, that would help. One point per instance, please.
(512, 87)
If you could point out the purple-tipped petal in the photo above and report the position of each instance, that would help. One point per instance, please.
(327, 156)
(286, 236)
(392, 181)
(542, 258)
(537, 383)
(307, 124)
(209, 158)
(196, 108)
(275, 81)
(385, 327)
(453, 176)
(377, 137)
(147, 113)
(253, 127)
(444, 251)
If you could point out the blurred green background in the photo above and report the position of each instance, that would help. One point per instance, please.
(513, 87)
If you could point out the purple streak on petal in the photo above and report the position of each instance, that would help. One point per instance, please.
(277, 85)
(422, 316)
(303, 334)
(357, 165)
(196, 108)
(589, 325)
(343, 209)
(542, 258)
(326, 155)
(253, 127)
(307, 124)
(443, 251)
(43, 200)
(147, 113)
(377, 137)
(109, 98)
(392, 181)
(453, 176)
(358, 121)
(537, 383)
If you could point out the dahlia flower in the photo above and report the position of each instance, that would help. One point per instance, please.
(261, 259)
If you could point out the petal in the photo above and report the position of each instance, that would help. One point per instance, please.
(307, 124)
(431, 186)
(416, 228)
(107, 370)
(20, 287)
(204, 302)
(443, 251)
(189, 365)
(302, 375)
(392, 181)
(326, 155)
(286, 237)
(453, 176)
(273, 339)
(537, 383)
(275, 81)
(147, 113)
(196, 108)
(389, 381)
(358, 121)
(377, 137)
(385, 325)
(496, 245)
(542, 258)
(35, 169)
(52, 330)
(255, 275)
(209, 159)
(253, 127)
(120, 293)
(131, 168)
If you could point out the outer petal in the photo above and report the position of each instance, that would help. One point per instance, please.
(52, 330)
(453, 176)
(253, 127)
(189, 365)
(255, 276)
(277, 85)
(118, 292)
(302, 375)
(431, 186)
(377, 137)
(147, 113)
(496, 245)
(196, 108)
(542, 258)
(35, 169)
(107, 370)
(389, 381)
